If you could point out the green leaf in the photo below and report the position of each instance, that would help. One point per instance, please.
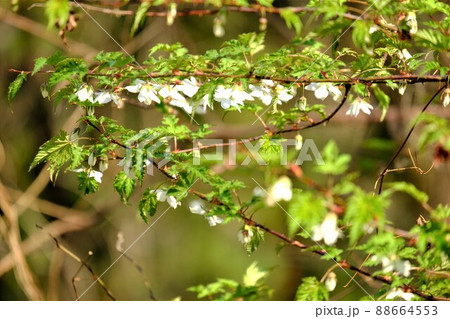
(59, 151)
(148, 204)
(383, 100)
(140, 17)
(57, 12)
(124, 186)
(39, 63)
(15, 85)
(311, 290)
(292, 20)
(87, 184)
(66, 69)
(306, 210)
(364, 208)
(335, 163)
(253, 275)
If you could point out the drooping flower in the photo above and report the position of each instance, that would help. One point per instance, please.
(214, 220)
(328, 230)
(393, 263)
(197, 208)
(298, 142)
(161, 195)
(106, 97)
(323, 89)
(284, 94)
(188, 87)
(172, 201)
(91, 173)
(202, 105)
(245, 235)
(85, 93)
(331, 281)
(96, 175)
(280, 190)
(263, 91)
(446, 97)
(397, 292)
(175, 98)
(359, 105)
(235, 96)
(411, 22)
(147, 91)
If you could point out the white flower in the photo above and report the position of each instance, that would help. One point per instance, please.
(204, 102)
(188, 86)
(328, 230)
(323, 89)
(92, 159)
(85, 93)
(301, 103)
(411, 22)
(127, 166)
(258, 192)
(373, 29)
(359, 105)
(245, 235)
(395, 264)
(147, 91)
(197, 208)
(402, 87)
(214, 220)
(92, 173)
(263, 91)
(284, 94)
(106, 97)
(397, 292)
(172, 201)
(298, 142)
(231, 96)
(281, 190)
(96, 175)
(331, 281)
(446, 97)
(161, 195)
(175, 98)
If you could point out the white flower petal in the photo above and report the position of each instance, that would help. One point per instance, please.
(197, 208)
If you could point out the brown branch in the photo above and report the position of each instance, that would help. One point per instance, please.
(258, 9)
(405, 140)
(83, 264)
(409, 78)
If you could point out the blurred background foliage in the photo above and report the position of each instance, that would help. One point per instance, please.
(181, 250)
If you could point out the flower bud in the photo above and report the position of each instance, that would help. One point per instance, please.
(262, 24)
(301, 103)
(446, 97)
(92, 159)
(331, 281)
(171, 13)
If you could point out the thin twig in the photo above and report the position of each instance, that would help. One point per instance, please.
(405, 140)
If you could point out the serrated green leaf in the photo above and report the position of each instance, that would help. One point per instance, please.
(335, 163)
(306, 210)
(39, 63)
(124, 185)
(311, 290)
(140, 17)
(87, 184)
(148, 204)
(15, 85)
(292, 20)
(57, 12)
